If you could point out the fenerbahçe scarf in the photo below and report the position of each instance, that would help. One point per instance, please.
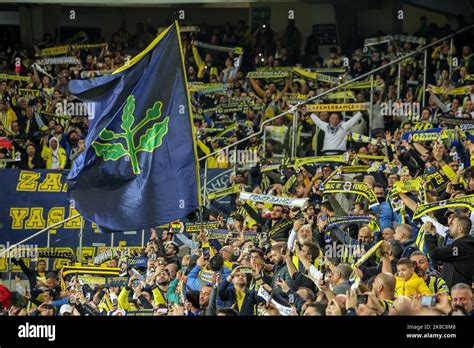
(139, 169)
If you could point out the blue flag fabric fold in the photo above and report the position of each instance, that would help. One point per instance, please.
(140, 166)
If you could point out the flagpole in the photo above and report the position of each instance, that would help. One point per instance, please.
(80, 241)
(37, 234)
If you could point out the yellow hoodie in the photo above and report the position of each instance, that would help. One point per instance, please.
(414, 285)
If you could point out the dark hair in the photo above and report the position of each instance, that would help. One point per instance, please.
(313, 250)
(49, 292)
(310, 293)
(258, 251)
(465, 222)
(407, 262)
(328, 206)
(216, 262)
(48, 306)
(227, 311)
(175, 247)
(417, 253)
(238, 217)
(52, 275)
(397, 248)
(319, 307)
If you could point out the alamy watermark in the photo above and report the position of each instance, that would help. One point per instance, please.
(400, 109)
(347, 251)
(75, 109)
(238, 156)
(19, 251)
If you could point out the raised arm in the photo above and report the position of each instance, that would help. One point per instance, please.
(317, 121)
(258, 90)
(350, 123)
(410, 203)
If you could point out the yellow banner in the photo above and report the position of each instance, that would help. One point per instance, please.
(64, 49)
(14, 77)
(368, 254)
(464, 201)
(275, 74)
(298, 162)
(406, 186)
(90, 270)
(316, 76)
(449, 91)
(364, 84)
(336, 107)
(224, 192)
(341, 95)
(54, 51)
(371, 157)
(354, 169)
(359, 188)
(27, 91)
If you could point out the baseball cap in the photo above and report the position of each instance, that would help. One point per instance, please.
(65, 308)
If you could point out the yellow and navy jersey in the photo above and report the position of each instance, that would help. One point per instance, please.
(387, 304)
(436, 284)
(420, 242)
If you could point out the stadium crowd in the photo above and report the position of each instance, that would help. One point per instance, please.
(386, 227)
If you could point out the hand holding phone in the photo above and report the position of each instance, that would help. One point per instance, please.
(207, 253)
(428, 301)
(362, 298)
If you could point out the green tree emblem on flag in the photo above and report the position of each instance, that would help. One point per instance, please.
(148, 142)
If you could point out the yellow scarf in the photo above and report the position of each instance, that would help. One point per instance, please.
(240, 294)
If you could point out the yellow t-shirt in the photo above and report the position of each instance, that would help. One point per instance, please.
(240, 298)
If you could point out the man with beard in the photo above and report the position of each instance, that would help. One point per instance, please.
(306, 256)
(162, 282)
(280, 270)
(302, 234)
(462, 298)
(435, 283)
(70, 143)
(276, 219)
(169, 249)
(233, 292)
(171, 252)
(458, 257)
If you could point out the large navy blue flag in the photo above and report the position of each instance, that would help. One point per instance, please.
(139, 169)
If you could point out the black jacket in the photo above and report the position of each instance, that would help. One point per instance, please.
(228, 296)
(267, 224)
(30, 273)
(37, 161)
(457, 259)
